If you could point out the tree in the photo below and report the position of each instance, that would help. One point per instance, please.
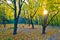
(54, 8)
(2, 16)
(5, 14)
(31, 11)
(16, 15)
(16, 6)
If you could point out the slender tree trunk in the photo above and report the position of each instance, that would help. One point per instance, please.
(45, 24)
(15, 27)
(32, 24)
(4, 22)
(15, 20)
(44, 28)
(29, 22)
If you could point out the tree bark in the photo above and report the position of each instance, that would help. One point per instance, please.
(15, 27)
(45, 24)
(32, 24)
(43, 31)
(4, 22)
(15, 20)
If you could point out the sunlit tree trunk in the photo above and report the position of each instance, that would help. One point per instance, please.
(45, 24)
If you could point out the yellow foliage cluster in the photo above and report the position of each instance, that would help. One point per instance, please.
(7, 11)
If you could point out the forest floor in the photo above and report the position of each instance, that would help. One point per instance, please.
(25, 32)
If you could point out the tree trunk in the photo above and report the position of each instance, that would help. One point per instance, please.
(43, 29)
(15, 29)
(28, 22)
(32, 24)
(44, 24)
(15, 20)
(15, 25)
(4, 22)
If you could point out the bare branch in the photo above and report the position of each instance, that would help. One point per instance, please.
(53, 17)
(34, 13)
(8, 5)
(20, 6)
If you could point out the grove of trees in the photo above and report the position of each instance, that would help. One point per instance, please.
(43, 12)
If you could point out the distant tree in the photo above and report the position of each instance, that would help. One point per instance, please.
(5, 15)
(2, 16)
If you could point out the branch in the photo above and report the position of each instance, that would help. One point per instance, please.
(8, 5)
(49, 12)
(20, 6)
(53, 17)
(34, 13)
